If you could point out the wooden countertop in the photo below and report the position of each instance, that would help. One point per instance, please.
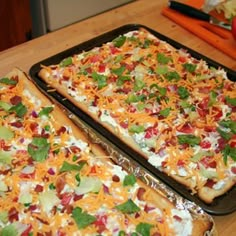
(142, 12)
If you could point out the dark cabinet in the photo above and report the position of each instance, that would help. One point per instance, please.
(15, 23)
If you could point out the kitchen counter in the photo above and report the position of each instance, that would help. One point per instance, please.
(142, 12)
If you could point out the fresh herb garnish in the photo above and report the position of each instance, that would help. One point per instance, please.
(138, 84)
(172, 75)
(129, 180)
(230, 101)
(188, 139)
(128, 207)
(66, 166)
(144, 229)
(213, 96)
(183, 92)
(165, 112)
(45, 111)
(66, 62)
(122, 79)
(118, 71)
(190, 67)
(230, 124)
(225, 135)
(82, 219)
(119, 41)
(39, 149)
(8, 81)
(101, 80)
(19, 109)
(229, 151)
(163, 59)
(133, 98)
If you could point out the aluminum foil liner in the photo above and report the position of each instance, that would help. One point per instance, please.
(131, 166)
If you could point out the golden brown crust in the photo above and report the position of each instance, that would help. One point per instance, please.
(207, 194)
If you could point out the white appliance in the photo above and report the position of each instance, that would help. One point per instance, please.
(50, 15)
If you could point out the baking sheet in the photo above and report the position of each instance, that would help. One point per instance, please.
(222, 205)
(131, 166)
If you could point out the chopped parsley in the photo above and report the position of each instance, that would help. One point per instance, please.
(66, 166)
(190, 67)
(163, 59)
(129, 180)
(19, 109)
(183, 92)
(39, 149)
(45, 111)
(66, 62)
(128, 207)
(101, 80)
(189, 139)
(8, 81)
(119, 41)
(82, 219)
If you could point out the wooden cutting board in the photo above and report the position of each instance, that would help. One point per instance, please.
(220, 38)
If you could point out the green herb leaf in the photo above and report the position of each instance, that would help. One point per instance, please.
(165, 112)
(45, 111)
(136, 129)
(101, 80)
(225, 135)
(119, 41)
(190, 67)
(133, 98)
(213, 96)
(138, 84)
(66, 166)
(128, 207)
(141, 106)
(82, 219)
(231, 101)
(122, 79)
(39, 149)
(8, 81)
(188, 139)
(163, 59)
(147, 43)
(183, 92)
(229, 151)
(144, 229)
(118, 71)
(129, 180)
(172, 75)
(66, 62)
(19, 109)
(229, 124)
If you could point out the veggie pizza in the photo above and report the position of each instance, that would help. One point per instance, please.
(54, 181)
(173, 109)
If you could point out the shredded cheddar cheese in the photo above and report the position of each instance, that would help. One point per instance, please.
(162, 99)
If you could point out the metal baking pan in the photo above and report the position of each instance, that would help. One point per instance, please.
(222, 205)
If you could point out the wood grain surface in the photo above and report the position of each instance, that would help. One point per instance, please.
(142, 12)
